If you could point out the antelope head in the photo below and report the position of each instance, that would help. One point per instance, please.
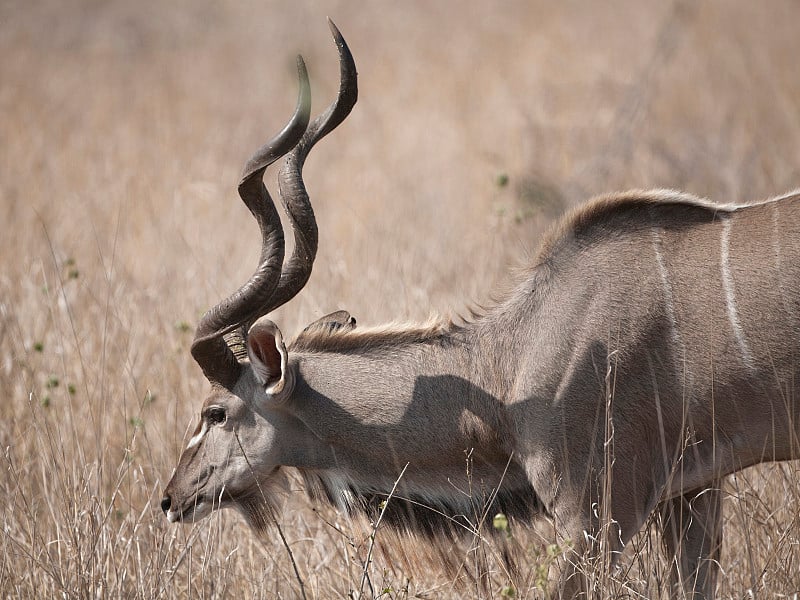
(241, 353)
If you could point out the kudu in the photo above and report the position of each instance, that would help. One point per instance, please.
(650, 350)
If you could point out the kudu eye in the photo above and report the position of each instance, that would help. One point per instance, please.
(215, 415)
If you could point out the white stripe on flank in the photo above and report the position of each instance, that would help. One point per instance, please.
(200, 435)
(780, 278)
(730, 302)
(668, 300)
(677, 346)
(776, 237)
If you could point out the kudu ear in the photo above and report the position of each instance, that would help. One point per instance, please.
(268, 356)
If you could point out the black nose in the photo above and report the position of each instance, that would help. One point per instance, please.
(166, 502)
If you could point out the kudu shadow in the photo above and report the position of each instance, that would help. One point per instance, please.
(453, 445)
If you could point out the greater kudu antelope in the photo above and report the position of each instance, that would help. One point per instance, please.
(651, 349)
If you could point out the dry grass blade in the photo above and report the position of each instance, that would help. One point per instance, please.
(124, 127)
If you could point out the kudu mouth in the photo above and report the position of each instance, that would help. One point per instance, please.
(200, 507)
(255, 503)
(197, 505)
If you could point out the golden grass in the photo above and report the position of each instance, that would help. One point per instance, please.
(124, 126)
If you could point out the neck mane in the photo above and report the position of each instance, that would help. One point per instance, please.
(430, 510)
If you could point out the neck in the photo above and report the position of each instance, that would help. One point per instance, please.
(376, 406)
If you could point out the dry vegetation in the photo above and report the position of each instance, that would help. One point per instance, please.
(124, 126)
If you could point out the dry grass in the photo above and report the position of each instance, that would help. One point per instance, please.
(123, 128)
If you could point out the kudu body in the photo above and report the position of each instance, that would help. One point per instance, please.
(650, 349)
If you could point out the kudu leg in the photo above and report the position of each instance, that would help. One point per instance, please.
(595, 551)
(587, 570)
(573, 583)
(692, 536)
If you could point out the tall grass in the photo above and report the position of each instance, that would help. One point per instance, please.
(123, 128)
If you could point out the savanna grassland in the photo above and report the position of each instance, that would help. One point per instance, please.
(123, 129)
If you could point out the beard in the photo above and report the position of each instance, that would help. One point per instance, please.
(259, 505)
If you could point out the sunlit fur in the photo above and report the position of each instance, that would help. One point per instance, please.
(364, 339)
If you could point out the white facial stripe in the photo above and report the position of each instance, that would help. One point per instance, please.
(200, 435)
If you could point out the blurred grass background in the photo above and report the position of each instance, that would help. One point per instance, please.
(123, 129)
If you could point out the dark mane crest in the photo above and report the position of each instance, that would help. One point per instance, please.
(341, 340)
(601, 208)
